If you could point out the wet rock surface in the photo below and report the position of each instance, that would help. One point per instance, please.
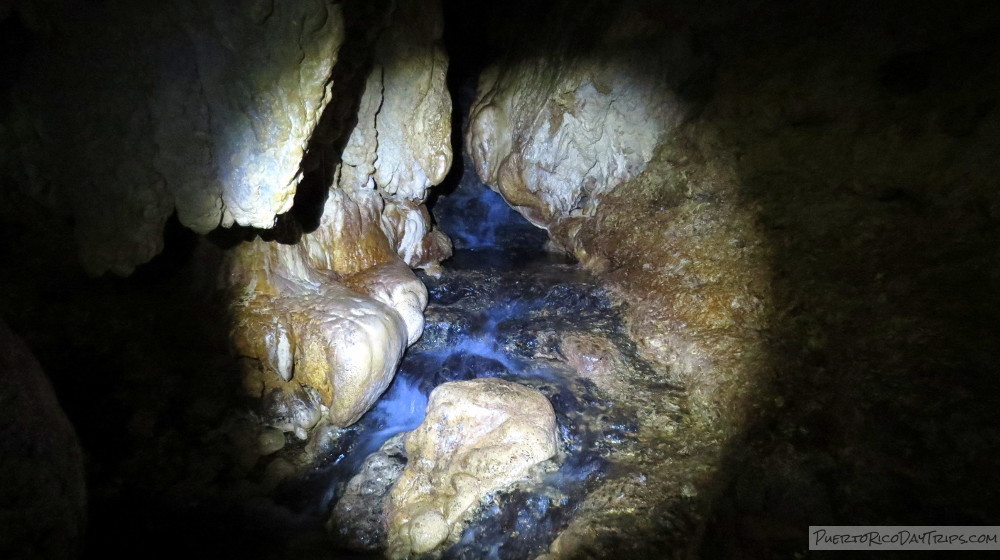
(359, 519)
(465, 208)
(477, 437)
(511, 327)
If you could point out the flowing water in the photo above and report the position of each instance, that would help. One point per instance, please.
(497, 314)
(492, 313)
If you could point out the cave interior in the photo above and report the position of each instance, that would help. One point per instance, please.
(529, 279)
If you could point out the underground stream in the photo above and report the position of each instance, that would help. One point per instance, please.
(499, 309)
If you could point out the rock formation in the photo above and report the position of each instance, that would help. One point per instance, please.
(768, 219)
(588, 142)
(478, 436)
(359, 516)
(43, 497)
(202, 108)
(229, 113)
(334, 312)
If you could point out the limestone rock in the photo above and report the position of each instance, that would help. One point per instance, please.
(401, 145)
(653, 206)
(291, 407)
(553, 135)
(205, 107)
(333, 313)
(43, 498)
(304, 328)
(478, 436)
(414, 119)
(358, 517)
(590, 142)
(596, 358)
(395, 285)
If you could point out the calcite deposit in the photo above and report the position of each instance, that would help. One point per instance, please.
(221, 112)
(401, 145)
(299, 326)
(593, 124)
(333, 313)
(203, 108)
(478, 436)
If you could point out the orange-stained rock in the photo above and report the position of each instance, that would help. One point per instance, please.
(300, 324)
(333, 313)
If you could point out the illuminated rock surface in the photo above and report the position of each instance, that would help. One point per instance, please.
(587, 142)
(331, 315)
(478, 436)
(202, 107)
(299, 326)
(770, 229)
(401, 146)
(596, 124)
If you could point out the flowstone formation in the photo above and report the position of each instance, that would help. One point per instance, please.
(310, 132)
(323, 323)
(478, 436)
(314, 347)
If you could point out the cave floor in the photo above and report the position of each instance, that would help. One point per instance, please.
(143, 370)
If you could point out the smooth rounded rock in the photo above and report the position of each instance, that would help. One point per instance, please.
(270, 441)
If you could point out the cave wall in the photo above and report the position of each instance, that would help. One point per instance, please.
(800, 219)
(589, 129)
(126, 112)
(207, 109)
(43, 500)
(641, 137)
(303, 137)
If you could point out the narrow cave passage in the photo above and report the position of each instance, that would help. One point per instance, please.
(504, 307)
(761, 294)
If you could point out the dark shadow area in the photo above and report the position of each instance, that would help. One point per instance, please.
(178, 249)
(143, 370)
(468, 211)
(886, 283)
(16, 41)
